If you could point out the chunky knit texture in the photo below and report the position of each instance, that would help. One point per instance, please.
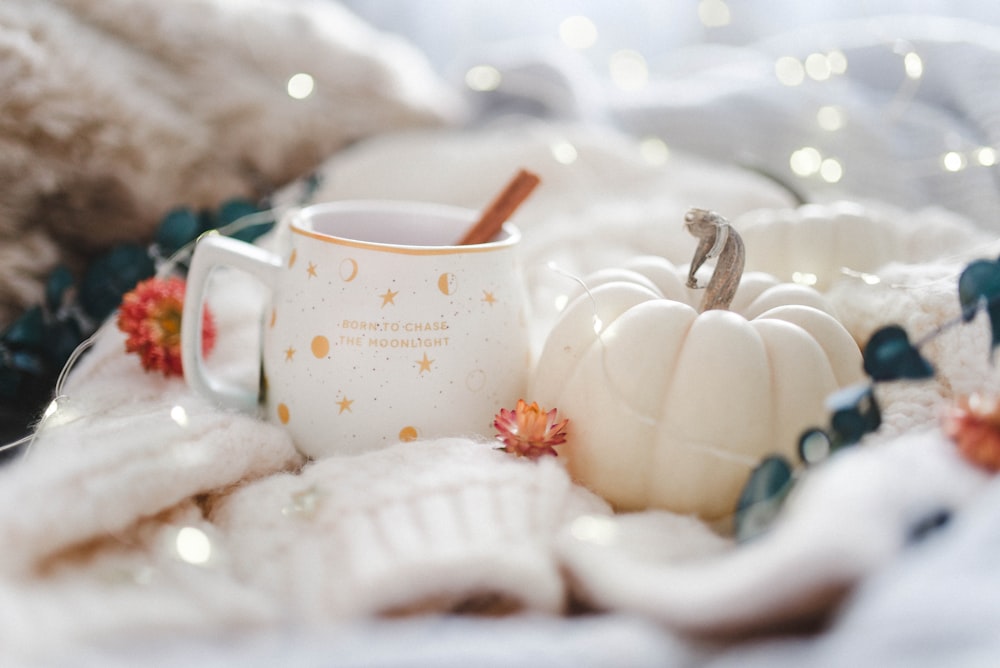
(116, 111)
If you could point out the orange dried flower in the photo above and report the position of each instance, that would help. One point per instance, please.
(974, 424)
(151, 317)
(529, 431)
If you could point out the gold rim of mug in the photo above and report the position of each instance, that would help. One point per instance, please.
(513, 234)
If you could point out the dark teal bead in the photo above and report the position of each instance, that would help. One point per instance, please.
(232, 210)
(251, 233)
(61, 339)
(207, 220)
(177, 229)
(28, 331)
(889, 355)
(10, 382)
(762, 497)
(111, 276)
(928, 524)
(57, 288)
(815, 446)
(978, 283)
(27, 362)
(855, 413)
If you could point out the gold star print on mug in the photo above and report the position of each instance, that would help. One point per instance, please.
(350, 274)
(388, 297)
(425, 363)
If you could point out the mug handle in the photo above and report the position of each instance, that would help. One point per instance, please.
(212, 251)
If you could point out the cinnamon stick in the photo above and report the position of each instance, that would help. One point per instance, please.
(501, 208)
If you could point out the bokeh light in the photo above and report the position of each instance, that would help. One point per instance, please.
(628, 69)
(483, 78)
(578, 32)
(300, 86)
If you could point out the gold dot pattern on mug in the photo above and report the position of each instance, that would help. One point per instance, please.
(394, 341)
(320, 346)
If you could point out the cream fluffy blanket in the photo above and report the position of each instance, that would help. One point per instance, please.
(142, 510)
(112, 112)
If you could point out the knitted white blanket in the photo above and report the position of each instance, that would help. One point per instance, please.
(142, 510)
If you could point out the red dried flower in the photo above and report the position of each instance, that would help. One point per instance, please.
(974, 424)
(528, 431)
(151, 316)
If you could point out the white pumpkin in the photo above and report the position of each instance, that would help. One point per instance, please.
(672, 408)
(814, 243)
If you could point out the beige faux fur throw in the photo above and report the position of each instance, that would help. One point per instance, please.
(114, 111)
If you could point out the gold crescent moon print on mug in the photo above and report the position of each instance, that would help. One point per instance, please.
(380, 329)
(349, 269)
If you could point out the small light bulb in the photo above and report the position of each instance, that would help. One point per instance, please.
(837, 61)
(913, 64)
(986, 156)
(654, 150)
(831, 171)
(564, 152)
(628, 69)
(193, 545)
(714, 13)
(594, 529)
(789, 71)
(953, 161)
(830, 118)
(805, 161)
(817, 66)
(483, 78)
(179, 415)
(871, 279)
(300, 86)
(578, 32)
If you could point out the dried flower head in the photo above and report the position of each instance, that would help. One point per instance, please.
(151, 317)
(529, 431)
(974, 424)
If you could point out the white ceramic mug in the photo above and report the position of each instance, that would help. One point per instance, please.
(380, 328)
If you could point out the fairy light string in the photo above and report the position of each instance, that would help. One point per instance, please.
(174, 263)
(812, 157)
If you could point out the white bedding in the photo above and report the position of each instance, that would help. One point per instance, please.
(304, 563)
(96, 507)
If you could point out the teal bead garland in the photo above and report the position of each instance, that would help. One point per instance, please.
(888, 356)
(36, 346)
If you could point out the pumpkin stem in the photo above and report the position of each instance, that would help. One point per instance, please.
(716, 238)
